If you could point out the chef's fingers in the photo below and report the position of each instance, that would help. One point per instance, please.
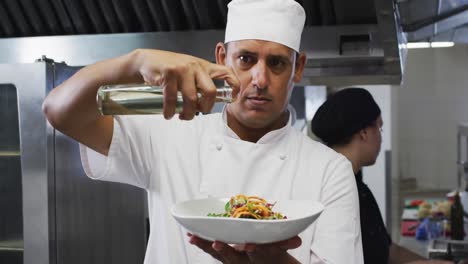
(288, 244)
(189, 92)
(169, 84)
(274, 249)
(228, 253)
(207, 89)
(217, 71)
(151, 78)
(204, 245)
(274, 252)
(245, 247)
(157, 79)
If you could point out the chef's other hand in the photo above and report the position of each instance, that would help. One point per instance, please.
(187, 74)
(249, 253)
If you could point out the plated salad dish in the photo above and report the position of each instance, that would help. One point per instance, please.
(253, 207)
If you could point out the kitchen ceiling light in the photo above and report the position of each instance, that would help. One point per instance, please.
(418, 45)
(422, 45)
(442, 44)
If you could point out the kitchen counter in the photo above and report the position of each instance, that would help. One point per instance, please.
(417, 246)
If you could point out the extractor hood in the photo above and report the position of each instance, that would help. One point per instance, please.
(434, 20)
(347, 42)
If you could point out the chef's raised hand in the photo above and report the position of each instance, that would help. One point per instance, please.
(249, 253)
(187, 74)
(71, 107)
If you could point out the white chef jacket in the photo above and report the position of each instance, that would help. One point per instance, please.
(181, 160)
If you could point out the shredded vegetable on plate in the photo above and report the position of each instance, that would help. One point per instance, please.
(254, 207)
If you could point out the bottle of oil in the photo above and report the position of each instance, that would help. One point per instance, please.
(456, 219)
(140, 99)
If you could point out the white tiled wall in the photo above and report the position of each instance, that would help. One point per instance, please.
(432, 100)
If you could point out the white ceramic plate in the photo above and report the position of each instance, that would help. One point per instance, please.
(192, 215)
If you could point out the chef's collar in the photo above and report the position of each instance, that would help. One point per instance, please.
(270, 137)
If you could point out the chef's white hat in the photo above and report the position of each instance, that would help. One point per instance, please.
(280, 21)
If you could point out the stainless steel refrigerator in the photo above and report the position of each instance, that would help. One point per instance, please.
(50, 212)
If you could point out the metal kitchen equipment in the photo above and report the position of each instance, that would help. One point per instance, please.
(143, 99)
(346, 42)
(455, 250)
(11, 232)
(50, 212)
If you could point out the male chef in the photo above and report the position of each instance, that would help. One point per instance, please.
(249, 148)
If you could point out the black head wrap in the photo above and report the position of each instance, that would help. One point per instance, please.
(343, 114)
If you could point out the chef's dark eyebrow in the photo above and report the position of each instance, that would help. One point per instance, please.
(255, 54)
(246, 52)
(280, 57)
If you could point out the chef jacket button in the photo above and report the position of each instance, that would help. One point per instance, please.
(219, 147)
(282, 157)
